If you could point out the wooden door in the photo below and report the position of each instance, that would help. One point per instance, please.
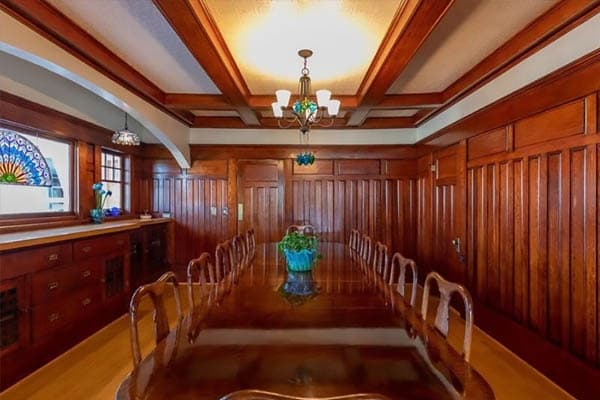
(260, 197)
(448, 214)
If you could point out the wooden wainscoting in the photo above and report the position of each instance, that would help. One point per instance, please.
(336, 194)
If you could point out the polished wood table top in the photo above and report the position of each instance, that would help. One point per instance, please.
(337, 331)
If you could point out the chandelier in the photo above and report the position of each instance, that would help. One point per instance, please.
(306, 112)
(125, 137)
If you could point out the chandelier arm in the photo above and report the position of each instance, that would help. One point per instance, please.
(285, 123)
(328, 122)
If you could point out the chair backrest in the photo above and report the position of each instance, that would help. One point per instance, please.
(302, 229)
(366, 249)
(223, 259)
(155, 291)
(381, 260)
(238, 246)
(354, 239)
(446, 290)
(251, 241)
(398, 268)
(201, 271)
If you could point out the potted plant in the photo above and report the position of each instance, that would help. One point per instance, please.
(300, 251)
(100, 196)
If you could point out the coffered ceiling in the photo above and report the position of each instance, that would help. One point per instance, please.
(216, 63)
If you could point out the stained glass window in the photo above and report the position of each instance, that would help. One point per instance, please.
(35, 174)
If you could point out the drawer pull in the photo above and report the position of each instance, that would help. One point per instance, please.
(53, 257)
(86, 301)
(87, 249)
(54, 317)
(86, 273)
(120, 242)
(52, 285)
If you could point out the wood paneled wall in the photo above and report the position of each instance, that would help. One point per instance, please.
(376, 196)
(533, 223)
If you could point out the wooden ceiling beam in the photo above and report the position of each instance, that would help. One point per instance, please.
(49, 22)
(388, 123)
(410, 100)
(189, 101)
(219, 122)
(263, 102)
(191, 20)
(412, 25)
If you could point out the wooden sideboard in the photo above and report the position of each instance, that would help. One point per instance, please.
(58, 286)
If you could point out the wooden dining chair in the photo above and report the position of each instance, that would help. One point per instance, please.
(200, 272)
(155, 291)
(366, 249)
(223, 259)
(381, 260)
(238, 244)
(446, 290)
(354, 239)
(302, 229)
(398, 276)
(251, 241)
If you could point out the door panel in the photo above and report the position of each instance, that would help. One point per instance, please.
(260, 198)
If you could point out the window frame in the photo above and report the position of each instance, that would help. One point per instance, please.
(125, 177)
(50, 216)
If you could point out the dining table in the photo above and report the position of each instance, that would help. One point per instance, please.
(337, 331)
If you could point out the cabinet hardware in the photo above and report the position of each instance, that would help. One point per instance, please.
(86, 301)
(120, 242)
(54, 317)
(86, 249)
(86, 273)
(53, 257)
(52, 285)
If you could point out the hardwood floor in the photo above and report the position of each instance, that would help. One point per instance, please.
(94, 368)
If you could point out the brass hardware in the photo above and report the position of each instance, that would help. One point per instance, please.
(52, 285)
(120, 242)
(86, 273)
(54, 317)
(53, 257)
(86, 301)
(87, 249)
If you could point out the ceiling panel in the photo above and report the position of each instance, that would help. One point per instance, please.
(137, 32)
(470, 31)
(264, 37)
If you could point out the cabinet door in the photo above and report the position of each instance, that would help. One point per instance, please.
(114, 277)
(14, 318)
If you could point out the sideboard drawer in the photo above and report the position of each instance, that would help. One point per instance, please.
(50, 317)
(31, 260)
(84, 249)
(54, 283)
(89, 273)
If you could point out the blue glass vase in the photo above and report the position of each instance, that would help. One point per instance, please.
(298, 261)
(97, 215)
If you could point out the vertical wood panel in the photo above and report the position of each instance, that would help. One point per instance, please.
(555, 272)
(506, 262)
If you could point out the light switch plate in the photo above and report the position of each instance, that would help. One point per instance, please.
(213, 210)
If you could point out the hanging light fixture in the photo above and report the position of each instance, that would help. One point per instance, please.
(125, 137)
(306, 112)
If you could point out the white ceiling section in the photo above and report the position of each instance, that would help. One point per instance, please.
(215, 113)
(41, 86)
(136, 31)
(470, 31)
